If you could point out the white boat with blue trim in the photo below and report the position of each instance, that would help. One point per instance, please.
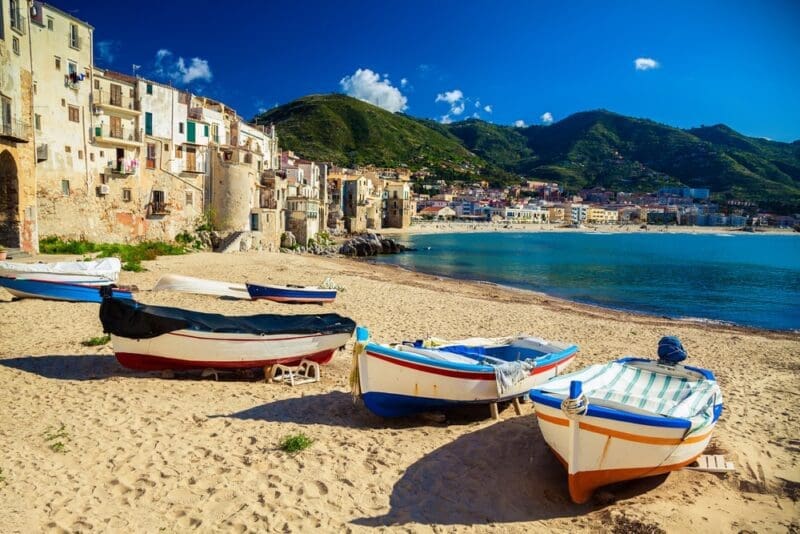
(409, 378)
(628, 419)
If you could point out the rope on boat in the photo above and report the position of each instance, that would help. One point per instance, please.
(574, 408)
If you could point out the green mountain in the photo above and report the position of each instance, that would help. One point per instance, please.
(594, 148)
(347, 131)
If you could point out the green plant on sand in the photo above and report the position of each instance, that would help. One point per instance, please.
(295, 443)
(96, 341)
(54, 438)
(130, 255)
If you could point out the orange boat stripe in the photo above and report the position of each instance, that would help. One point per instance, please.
(624, 435)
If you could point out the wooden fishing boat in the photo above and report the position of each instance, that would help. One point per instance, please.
(100, 272)
(404, 379)
(155, 337)
(291, 293)
(627, 419)
(49, 290)
(201, 286)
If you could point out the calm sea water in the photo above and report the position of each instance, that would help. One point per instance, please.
(751, 280)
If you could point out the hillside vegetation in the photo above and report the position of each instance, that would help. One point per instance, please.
(593, 148)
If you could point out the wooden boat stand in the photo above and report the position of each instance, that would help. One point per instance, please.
(305, 373)
(495, 412)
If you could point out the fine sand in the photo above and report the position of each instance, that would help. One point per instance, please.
(142, 453)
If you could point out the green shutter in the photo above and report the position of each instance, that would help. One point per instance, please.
(205, 130)
(190, 132)
(148, 123)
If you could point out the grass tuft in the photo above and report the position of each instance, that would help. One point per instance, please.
(96, 341)
(131, 255)
(295, 443)
(54, 438)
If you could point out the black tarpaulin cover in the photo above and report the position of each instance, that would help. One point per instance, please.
(131, 319)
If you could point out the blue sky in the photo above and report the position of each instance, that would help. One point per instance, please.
(701, 62)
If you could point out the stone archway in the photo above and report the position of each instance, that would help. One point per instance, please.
(9, 201)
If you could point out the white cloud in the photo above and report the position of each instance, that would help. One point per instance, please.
(403, 82)
(178, 71)
(645, 63)
(487, 108)
(547, 117)
(476, 116)
(368, 86)
(107, 50)
(451, 97)
(478, 103)
(445, 119)
(519, 123)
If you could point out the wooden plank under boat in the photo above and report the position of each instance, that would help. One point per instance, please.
(154, 337)
(404, 379)
(628, 419)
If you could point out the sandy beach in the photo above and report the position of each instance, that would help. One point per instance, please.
(143, 453)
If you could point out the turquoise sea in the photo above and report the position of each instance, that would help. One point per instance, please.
(746, 279)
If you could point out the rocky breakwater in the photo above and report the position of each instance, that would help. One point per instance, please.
(370, 244)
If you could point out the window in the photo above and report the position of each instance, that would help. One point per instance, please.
(74, 40)
(205, 130)
(102, 154)
(148, 123)
(74, 114)
(151, 155)
(65, 187)
(5, 111)
(15, 45)
(126, 195)
(63, 102)
(50, 23)
(35, 88)
(68, 149)
(180, 127)
(178, 151)
(97, 84)
(149, 88)
(58, 63)
(37, 121)
(72, 67)
(91, 156)
(166, 147)
(189, 198)
(80, 154)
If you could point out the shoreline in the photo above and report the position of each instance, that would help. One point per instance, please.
(459, 227)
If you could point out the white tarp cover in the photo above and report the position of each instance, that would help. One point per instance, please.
(107, 268)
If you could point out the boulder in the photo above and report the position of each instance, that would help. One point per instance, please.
(288, 240)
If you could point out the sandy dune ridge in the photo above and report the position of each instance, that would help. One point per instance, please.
(146, 454)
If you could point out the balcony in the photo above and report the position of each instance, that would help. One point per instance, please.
(121, 168)
(269, 203)
(157, 209)
(15, 131)
(17, 21)
(195, 114)
(129, 137)
(116, 103)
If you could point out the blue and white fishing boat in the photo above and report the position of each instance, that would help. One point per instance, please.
(628, 419)
(292, 293)
(404, 379)
(48, 290)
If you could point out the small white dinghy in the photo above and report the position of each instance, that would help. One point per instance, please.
(201, 286)
(104, 271)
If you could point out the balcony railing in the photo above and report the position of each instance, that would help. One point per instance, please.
(269, 203)
(107, 98)
(196, 114)
(105, 131)
(17, 22)
(16, 130)
(158, 208)
(121, 167)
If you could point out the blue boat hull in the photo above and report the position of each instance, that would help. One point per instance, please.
(394, 405)
(57, 290)
(291, 294)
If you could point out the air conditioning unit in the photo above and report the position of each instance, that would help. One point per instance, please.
(103, 189)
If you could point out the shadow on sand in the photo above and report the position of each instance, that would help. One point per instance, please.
(337, 408)
(499, 474)
(101, 366)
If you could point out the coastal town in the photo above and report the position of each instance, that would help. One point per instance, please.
(93, 154)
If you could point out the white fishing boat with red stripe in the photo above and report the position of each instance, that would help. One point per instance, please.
(404, 379)
(154, 337)
(628, 419)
